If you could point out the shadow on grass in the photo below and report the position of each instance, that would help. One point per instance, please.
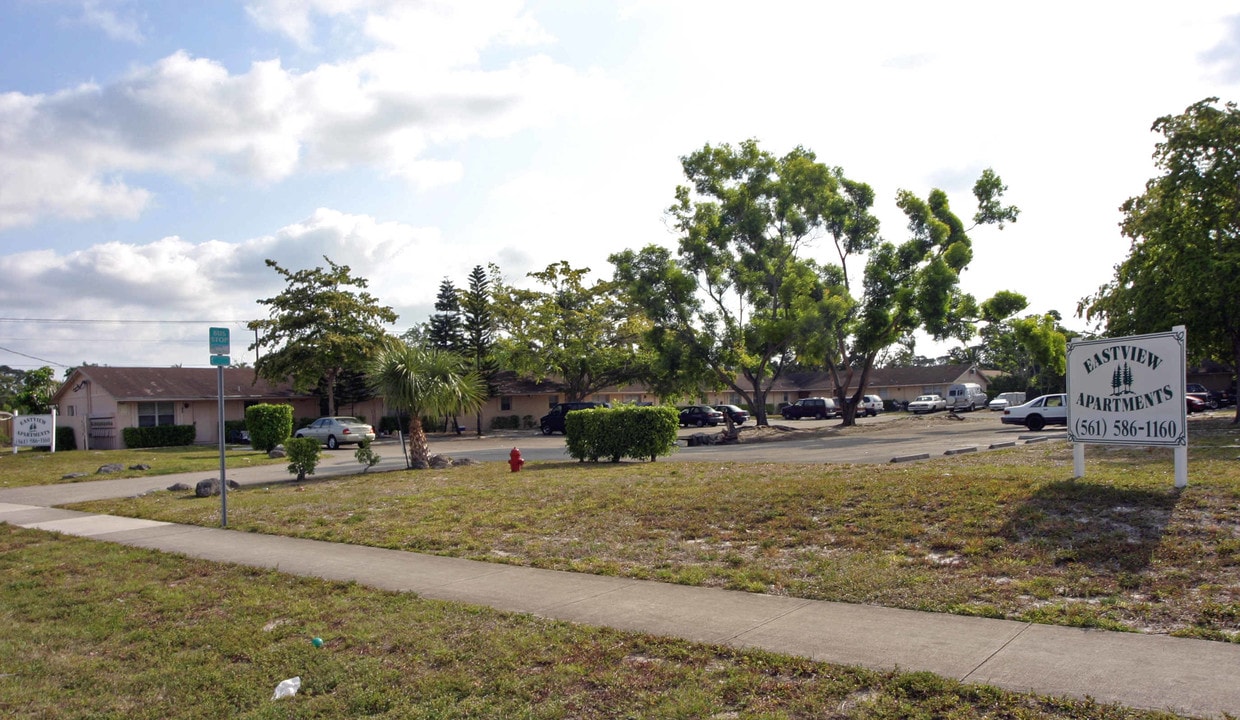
(1096, 525)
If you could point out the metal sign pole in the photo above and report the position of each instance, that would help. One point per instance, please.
(223, 481)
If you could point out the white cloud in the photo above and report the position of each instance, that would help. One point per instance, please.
(77, 153)
(172, 279)
(112, 23)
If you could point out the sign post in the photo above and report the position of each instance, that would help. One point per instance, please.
(1129, 391)
(219, 342)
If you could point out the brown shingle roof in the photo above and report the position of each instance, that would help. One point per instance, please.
(172, 383)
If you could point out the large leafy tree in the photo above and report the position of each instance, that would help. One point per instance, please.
(582, 334)
(28, 392)
(424, 382)
(907, 287)
(739, 298)
(322, 323)
(1183, 267)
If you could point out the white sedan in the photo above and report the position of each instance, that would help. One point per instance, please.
(1039, 412)
(336, 431)
(927, 404)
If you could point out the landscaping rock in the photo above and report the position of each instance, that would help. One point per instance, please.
(277, 452)
(699, 439)
(439, 462)
(70, 476)
(140, 466)
(179, 487)
(211, 486)
(109, 468)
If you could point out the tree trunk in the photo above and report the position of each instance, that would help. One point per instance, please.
(419, 448)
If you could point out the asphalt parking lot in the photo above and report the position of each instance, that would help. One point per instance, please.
(882, 439)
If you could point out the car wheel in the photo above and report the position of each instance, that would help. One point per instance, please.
(332, 444)
(546, 429)
(1035, 422)
(701, 423)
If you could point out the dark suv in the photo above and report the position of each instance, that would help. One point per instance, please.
(553, 421)
(814, 407)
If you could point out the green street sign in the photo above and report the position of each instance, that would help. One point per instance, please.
(221, 360)
(219, 342)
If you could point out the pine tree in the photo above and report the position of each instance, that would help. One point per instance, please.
(445, 331)
(479, 329)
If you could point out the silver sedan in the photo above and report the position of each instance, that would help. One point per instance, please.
(336, 431)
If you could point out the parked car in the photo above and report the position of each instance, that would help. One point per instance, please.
(1211, 398)
(738, 416)
(1006, 400)
(965, 397)
(815, 407)
(553, 421)
(1194, 404)
(927, 404)
(1039, 412)
(336, 431)
(871, 405)
(700, 415)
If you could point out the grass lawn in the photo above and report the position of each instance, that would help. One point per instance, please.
(1006, 533)
(28, 467)
(96, 630)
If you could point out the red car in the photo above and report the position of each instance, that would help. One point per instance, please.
(1195, 404)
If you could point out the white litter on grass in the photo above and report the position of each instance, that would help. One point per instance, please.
(287, 688)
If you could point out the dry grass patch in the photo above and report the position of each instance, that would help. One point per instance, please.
(1002, 534)
(96, 630)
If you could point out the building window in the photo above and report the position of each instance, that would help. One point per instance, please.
(152, 414)
(72, 410)
(505, 403)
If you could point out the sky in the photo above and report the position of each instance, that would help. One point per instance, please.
(154, 154)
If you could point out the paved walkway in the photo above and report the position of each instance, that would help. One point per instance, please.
(1192, 677)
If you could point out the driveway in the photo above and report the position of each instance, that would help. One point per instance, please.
(875, 440)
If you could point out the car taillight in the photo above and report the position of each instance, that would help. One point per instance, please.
(346, 431)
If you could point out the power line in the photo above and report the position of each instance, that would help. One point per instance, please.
(32, 357)
(126, 322)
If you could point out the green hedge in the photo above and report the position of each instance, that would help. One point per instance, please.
(269, 424)
(631, 431)
(159, 436)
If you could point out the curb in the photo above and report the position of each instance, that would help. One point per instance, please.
(910, 458)
(961, 451)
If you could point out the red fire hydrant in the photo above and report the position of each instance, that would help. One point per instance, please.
(515, 461)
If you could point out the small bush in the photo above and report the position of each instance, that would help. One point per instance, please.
(303, 455)
(269, 424)
(366, 456)
(625, 431)
(159, 436)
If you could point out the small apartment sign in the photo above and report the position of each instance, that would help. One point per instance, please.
(1128, 391)
(34, 431)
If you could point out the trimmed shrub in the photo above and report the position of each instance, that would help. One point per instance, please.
(159, 436)
(66, 438)
(625, 431)
(303, 455)
(232, 430)
(269, 425)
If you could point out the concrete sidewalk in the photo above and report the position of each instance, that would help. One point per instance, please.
(1192, 677)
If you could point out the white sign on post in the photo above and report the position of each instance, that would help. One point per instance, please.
(34, 431)
(1128, 391)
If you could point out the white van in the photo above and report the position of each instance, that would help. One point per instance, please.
(965, 397)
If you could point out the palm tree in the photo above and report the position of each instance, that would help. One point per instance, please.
(424, 381)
